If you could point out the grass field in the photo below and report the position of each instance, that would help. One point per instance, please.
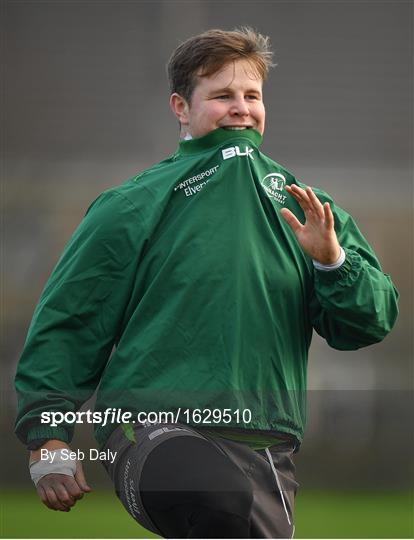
(319, 514)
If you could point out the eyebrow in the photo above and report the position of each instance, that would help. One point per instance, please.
(228, 90)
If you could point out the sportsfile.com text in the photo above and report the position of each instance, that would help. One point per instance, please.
(117, 416)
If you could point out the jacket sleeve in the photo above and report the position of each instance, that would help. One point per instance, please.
(357, 304)
(78, 317)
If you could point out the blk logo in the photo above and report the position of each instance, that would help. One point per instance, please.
(234, 151)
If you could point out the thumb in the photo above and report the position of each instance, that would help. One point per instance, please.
(80, 478)
(291, 220)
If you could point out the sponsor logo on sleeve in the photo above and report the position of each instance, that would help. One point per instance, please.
(274, 184)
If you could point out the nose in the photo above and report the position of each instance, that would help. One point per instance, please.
(239, 107)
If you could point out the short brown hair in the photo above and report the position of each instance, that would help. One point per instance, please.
(205, 54)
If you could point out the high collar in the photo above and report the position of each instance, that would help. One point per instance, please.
(216, 138)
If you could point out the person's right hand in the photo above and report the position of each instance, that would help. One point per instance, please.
(60, 491)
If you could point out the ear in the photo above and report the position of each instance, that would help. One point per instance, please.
(180, 108)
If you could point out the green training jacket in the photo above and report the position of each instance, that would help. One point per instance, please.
(193, 281)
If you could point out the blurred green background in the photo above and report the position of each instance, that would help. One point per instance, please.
(319, 514)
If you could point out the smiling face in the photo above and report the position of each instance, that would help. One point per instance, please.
(230, 98)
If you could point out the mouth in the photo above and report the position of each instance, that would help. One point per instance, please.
(236, 128)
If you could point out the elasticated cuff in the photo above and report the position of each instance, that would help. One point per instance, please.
(47, 432)
(346, 274)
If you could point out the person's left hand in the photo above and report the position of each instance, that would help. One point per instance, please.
(317, 236)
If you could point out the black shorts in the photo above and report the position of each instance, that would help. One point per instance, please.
(172, 474)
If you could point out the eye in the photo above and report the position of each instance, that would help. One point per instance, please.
(252, 97)
(224, 96)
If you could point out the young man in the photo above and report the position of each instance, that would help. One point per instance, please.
(208, 272)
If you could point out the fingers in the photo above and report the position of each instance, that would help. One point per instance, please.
(307, 199)
(311, 205)
(291, 220)
(329, 219)
(315, 203)
(63, 497)
(59, 491)
(299, 194)
(316, 236)
(51, 498)
(42, 494)
(73, 488)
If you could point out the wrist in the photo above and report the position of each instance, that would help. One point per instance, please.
(330, 265)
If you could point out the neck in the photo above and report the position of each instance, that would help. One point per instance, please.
(185, 135)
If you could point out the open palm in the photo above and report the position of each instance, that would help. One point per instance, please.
(317, 235)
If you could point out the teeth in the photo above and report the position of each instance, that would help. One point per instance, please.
(236, 128)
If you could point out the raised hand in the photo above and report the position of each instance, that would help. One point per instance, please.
(317, 235)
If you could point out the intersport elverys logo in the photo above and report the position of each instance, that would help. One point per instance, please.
(274, 184)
